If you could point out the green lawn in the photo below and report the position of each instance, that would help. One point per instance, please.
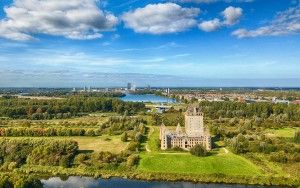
(284, 132)
(229, 164)
(153, 139)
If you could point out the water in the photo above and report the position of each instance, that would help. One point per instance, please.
(147, 98)
(86, 182)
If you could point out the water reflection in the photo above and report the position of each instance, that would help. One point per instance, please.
(86, 182)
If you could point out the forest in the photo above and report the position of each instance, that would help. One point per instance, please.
(64, 108)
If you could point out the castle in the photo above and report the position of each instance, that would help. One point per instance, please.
(193, 134)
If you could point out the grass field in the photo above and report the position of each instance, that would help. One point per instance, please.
(153, 139)
(101, 143)
(96, 118)
(284, 132)
(229, 164)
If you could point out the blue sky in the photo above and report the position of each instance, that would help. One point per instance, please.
(54, 43)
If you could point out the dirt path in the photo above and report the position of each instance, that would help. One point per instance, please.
(174, 153)
(147, 149)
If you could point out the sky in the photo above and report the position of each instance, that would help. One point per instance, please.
(171, 43)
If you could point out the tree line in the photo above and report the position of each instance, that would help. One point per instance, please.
(229, 109)
(114, 126)
(64, 108)
(277, 149)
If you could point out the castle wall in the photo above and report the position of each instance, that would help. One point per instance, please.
(188, 142)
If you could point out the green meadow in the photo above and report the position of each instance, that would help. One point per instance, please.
(283, 132)
(229, 164)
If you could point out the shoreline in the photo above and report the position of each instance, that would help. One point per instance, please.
(48, 172)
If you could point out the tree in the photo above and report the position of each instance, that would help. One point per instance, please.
(124, 137)
(297, 136)
(240, 144)
(198, 150)
(138, 137)
(5, 182)
(81, 158)
(132, 160)
(133, 146)
(278, 157)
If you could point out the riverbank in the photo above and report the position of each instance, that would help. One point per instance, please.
(48, 171)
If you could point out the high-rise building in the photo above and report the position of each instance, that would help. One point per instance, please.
(129, 85)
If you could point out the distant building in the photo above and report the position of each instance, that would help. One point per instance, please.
(133, 87)
(296, 102)
(162, 108)
(168, 92)
(276, 101)
(129, 86)
(193, 134)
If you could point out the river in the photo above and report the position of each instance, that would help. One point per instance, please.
(86, 182)
(147, 98)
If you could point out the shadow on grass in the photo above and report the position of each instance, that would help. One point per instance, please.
(85, 151)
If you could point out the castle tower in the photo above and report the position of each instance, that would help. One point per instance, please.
(194, 122)
(163, 137)
(162, 130)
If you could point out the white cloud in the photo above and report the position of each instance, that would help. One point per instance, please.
(210, 25)
(214, 1)
(285, 23)
(197, 1)
(71, 19)
(232, 15)
(161, 18)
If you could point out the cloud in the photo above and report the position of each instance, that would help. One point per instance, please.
(231, 16)
(210, 25)
(161, 18)
(213, 1)
(284, 23)
(72, 19)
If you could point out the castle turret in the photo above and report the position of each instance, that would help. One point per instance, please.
(162, 130)
(178, 129)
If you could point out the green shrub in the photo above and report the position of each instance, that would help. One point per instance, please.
(297, 136)
(124, 137)
(279, 157)
(133, 146)
(198, 150)
(132, 160)
(81, 158)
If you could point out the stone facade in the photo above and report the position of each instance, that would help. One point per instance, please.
(194, 133)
